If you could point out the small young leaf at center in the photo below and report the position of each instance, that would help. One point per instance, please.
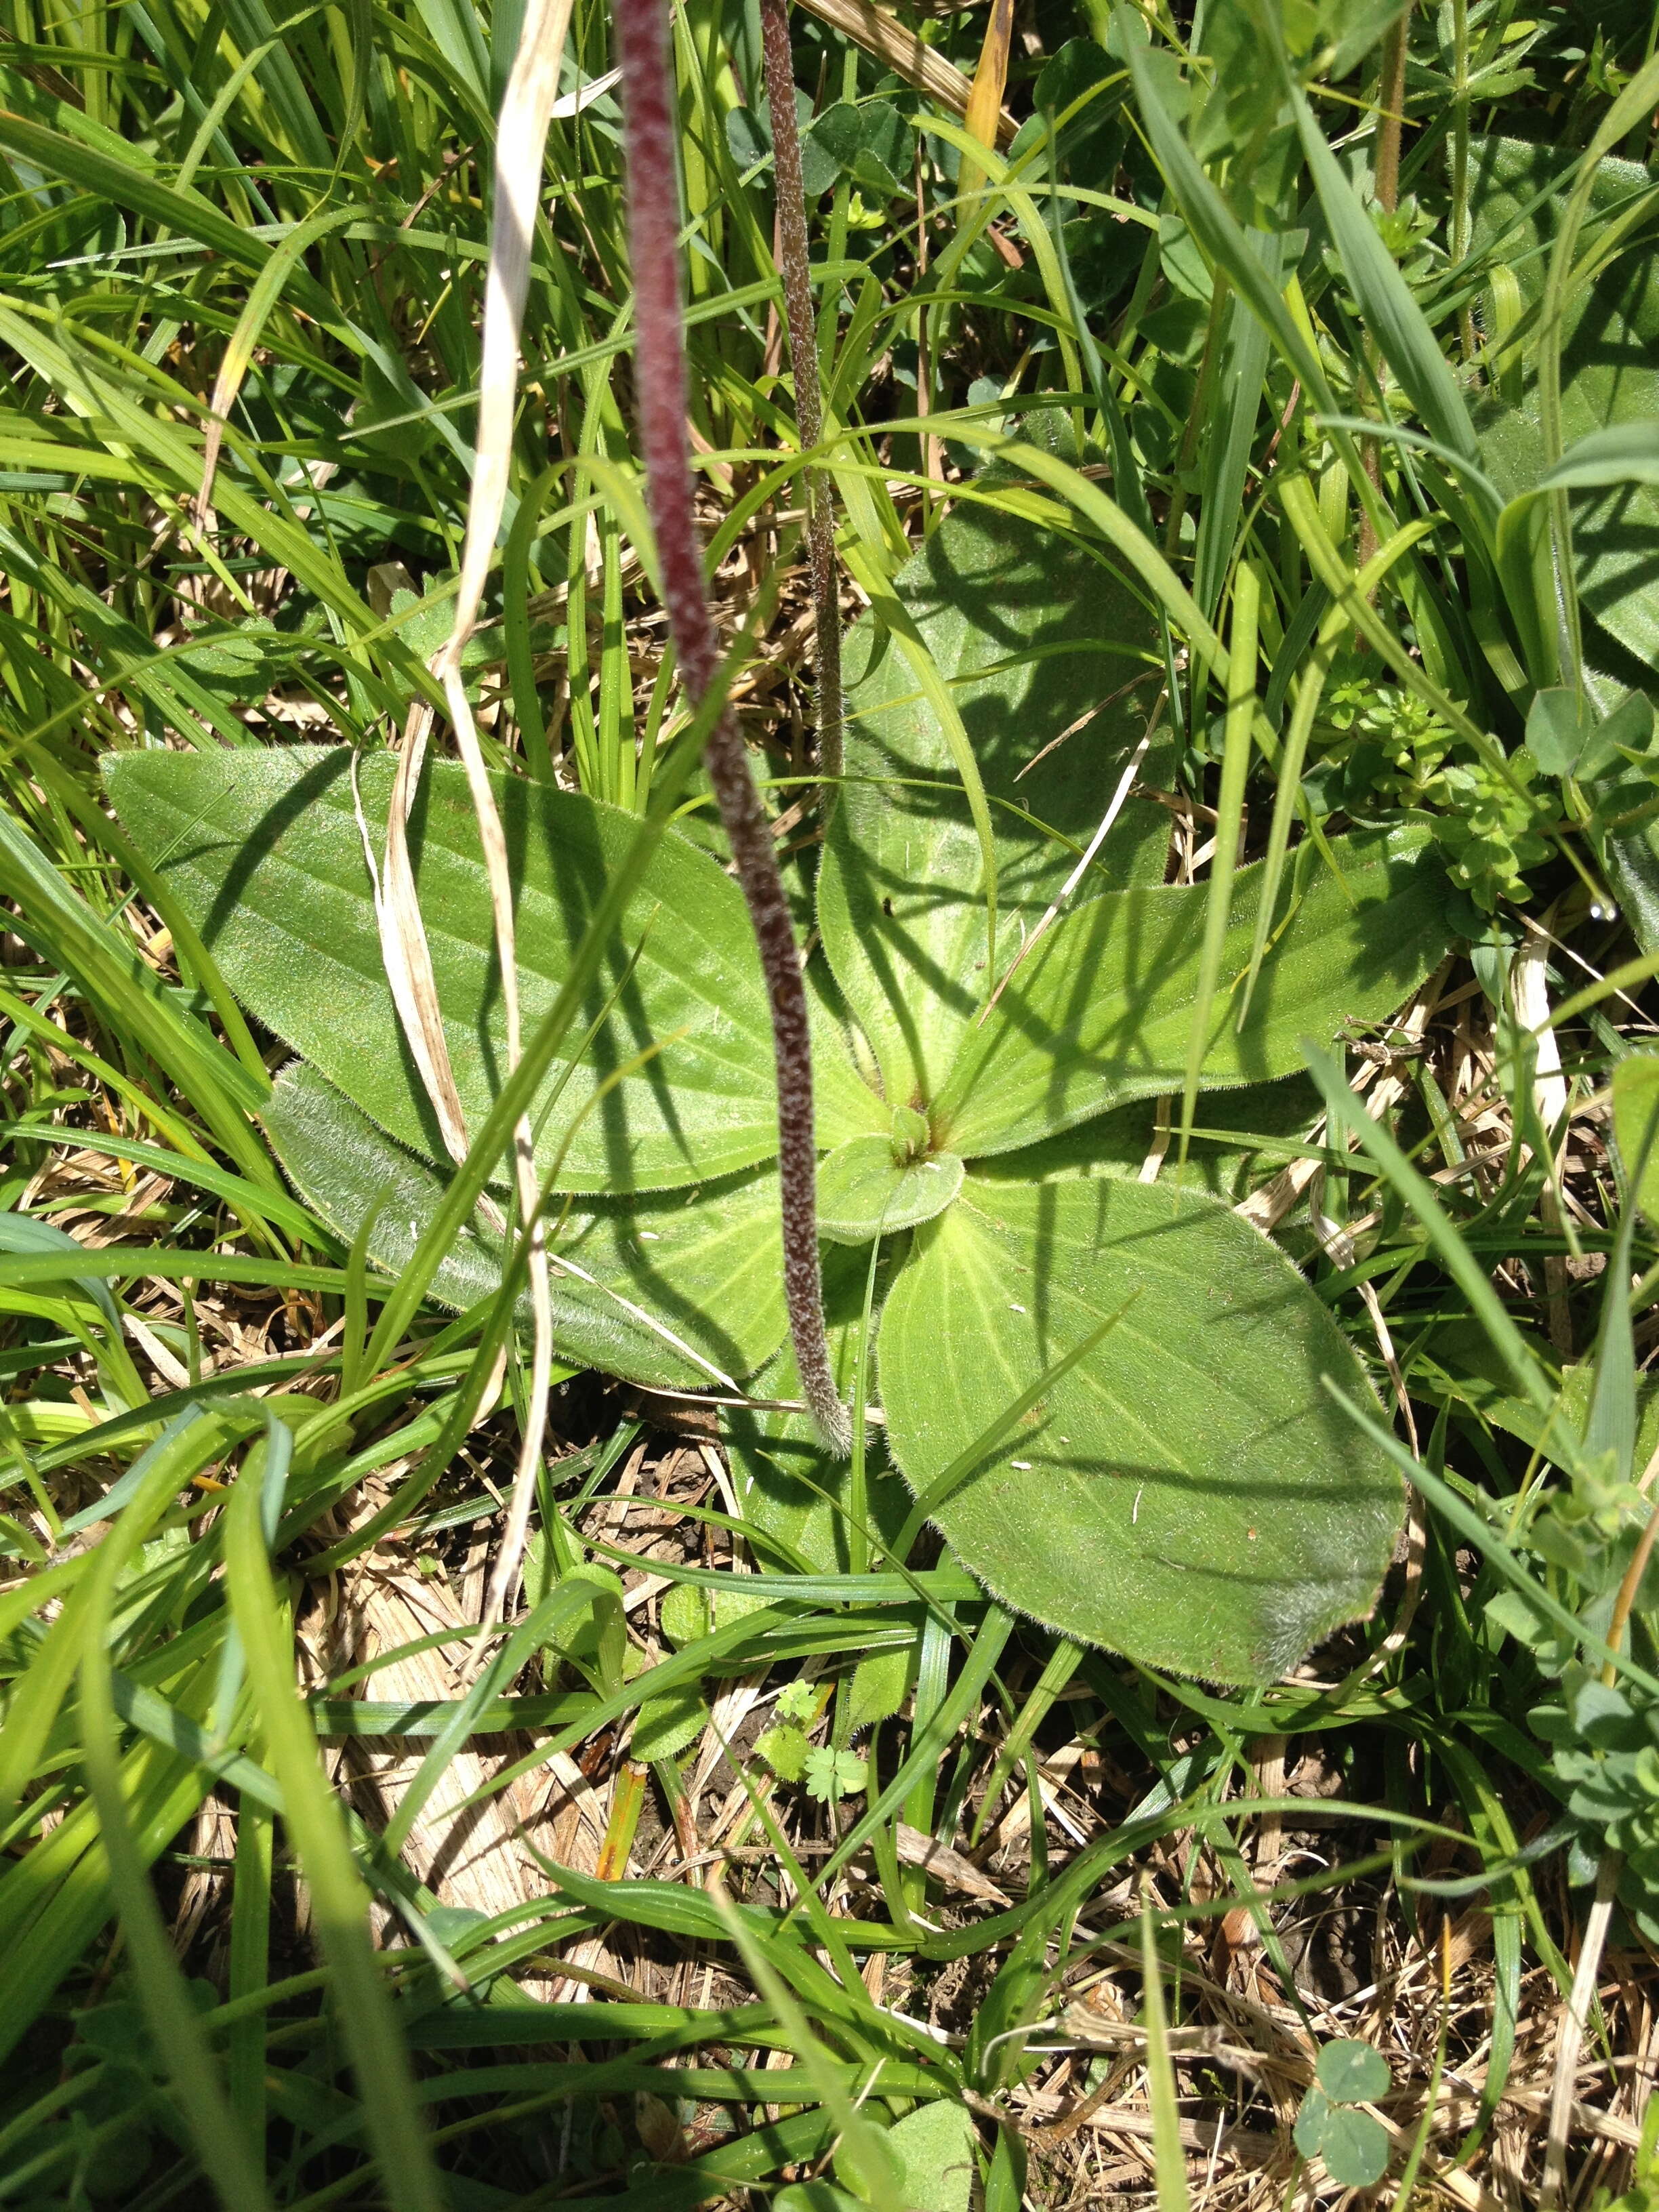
(865, 1192)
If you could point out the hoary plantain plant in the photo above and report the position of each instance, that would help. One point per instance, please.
(1187, 1491)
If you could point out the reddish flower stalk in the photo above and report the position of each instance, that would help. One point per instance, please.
(661, 390)
(795, 268)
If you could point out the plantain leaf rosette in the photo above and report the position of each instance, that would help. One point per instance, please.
(1188, 1492)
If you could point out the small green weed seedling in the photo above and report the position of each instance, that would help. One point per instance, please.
(1330, 2125)
(832, 1775)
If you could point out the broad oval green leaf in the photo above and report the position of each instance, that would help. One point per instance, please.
(1624, 829)
(865, 1193)
(1311, 2121)
(1636, 1125)
(263, 851)
(1102, 1011)
(1240, 1140)
(1615, 524)
(1518, 191)
(1627, 454)
(1559, 723)
(881, 1682)
(667, 1725)
(677, 1289)
(1034, 635)
(933, 2148)
(1189, 1494)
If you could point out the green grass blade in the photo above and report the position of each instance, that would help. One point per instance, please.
(113, 975)
(1391, 315)
(1347, 1112)
(186, 1447)
(1168, 2159)
(223, 2147)
(339, 1899)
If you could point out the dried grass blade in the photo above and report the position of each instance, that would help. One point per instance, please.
(521, 136)
(405, 952)
(1575, 2020)
(520, 139)
(527, 107)
(904, 53)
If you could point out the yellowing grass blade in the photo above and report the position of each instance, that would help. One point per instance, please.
(985, 98)
(239, 348)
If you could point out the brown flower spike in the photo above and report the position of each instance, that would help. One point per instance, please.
(795, 267)
(654, 216)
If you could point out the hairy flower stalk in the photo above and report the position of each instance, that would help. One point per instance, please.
(660, 386)
(796, 270)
